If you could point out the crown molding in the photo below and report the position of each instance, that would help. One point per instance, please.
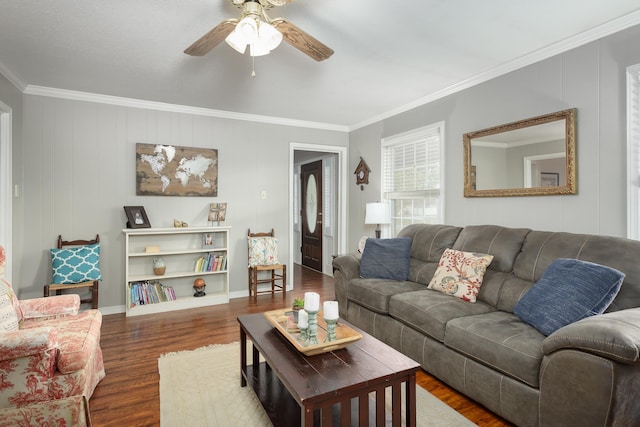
(546, 52)
(175, 108)
(19, 84)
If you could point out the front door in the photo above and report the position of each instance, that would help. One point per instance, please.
(311, 176)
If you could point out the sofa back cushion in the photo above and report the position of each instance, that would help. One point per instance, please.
(429, 242)
(541, 248)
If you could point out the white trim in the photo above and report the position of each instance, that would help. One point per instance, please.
(565, 45)
(19, 84)
(161, 106)
(6, 193)
(633, 152)
(341, 224)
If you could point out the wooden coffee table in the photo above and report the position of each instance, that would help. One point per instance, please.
(329, 388)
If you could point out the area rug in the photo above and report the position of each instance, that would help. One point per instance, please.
(202, 388)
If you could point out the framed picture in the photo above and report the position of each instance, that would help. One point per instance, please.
(217, 212)
(137, 217)
(549, 179)
(207, 241)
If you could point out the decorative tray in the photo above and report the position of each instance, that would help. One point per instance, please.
(285, 325)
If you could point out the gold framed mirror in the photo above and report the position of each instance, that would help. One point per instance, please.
(531, 157)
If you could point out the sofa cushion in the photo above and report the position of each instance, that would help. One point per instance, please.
(77, 264)
(569, 290)
(428, 311)
(78, 338)
(501, 242)
(386, 259)
(376, 293)
(460, 274)
(499, 340)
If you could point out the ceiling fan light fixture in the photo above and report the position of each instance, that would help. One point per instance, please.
(269, 35)
(236, 41)
(248, 28)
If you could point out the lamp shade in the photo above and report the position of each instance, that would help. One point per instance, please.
(377, 213)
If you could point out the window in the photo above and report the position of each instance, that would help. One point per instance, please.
(633, 152)
(413, 171)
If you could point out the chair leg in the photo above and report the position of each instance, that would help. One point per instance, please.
(255, 284)
(284, 281)
(94, 295)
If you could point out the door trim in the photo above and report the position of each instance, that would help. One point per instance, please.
(341, 196)
(6, 193)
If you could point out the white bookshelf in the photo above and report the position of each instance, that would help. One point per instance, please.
(180, 249)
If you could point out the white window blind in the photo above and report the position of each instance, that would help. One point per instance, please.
(412, 176)
(633, 152)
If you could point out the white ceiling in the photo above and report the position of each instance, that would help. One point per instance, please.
(389, 55)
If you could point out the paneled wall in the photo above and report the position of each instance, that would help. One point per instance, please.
(590, 78)
(78, 171)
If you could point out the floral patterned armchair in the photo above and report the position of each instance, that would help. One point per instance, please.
(48, 350)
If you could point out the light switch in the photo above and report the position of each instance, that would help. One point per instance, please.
(263, 194)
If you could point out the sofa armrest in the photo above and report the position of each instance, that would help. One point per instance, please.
(348, 265)
(27, 342)
(615, 336)
(55, 306)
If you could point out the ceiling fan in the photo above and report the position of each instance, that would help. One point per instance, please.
(256, 30)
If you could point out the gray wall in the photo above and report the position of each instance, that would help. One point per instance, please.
(76, 166)
(591, 78)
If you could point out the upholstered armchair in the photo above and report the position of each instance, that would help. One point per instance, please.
(48, 350)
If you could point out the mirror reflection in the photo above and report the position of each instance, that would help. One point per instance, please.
(530, 157)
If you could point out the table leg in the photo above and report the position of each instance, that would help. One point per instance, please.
(396, 404)
(243, 357)
(410, 404)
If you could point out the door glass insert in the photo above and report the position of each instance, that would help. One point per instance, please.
(312, 205)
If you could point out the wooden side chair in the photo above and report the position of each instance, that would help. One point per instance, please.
(76, 265)
(263, 257)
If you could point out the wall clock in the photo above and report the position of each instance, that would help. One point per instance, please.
(362, 173)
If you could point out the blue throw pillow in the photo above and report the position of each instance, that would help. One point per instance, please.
(569, 290)
(76, 265)
(386, 259)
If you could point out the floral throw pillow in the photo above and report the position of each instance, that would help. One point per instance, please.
(8, 316)
(460, 273)
(263, 251)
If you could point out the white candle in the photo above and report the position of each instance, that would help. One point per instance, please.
(311, 301)
(303, 319)
(330, 309)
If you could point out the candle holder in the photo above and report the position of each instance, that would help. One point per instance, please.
(312, 329)
(302, 336)
(331, 329)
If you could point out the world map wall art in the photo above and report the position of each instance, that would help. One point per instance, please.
(167, 170)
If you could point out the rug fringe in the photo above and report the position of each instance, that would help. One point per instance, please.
(206, 347)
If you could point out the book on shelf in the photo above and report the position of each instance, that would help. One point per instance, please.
(210, 262)
(154, 292)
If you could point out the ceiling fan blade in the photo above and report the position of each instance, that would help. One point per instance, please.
(302, 41)
(204, 44)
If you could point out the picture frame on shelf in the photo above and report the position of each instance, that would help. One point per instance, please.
(137, 217)
(207, 241)
(217, 212)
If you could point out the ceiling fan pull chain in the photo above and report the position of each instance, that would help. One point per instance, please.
(253, 66)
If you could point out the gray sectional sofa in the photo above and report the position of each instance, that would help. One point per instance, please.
(584, 374)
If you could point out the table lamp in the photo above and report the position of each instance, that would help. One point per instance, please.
(377, 213)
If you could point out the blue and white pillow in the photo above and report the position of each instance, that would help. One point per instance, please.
(76, 265)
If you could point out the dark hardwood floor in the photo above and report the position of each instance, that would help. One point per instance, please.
(129, 395)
